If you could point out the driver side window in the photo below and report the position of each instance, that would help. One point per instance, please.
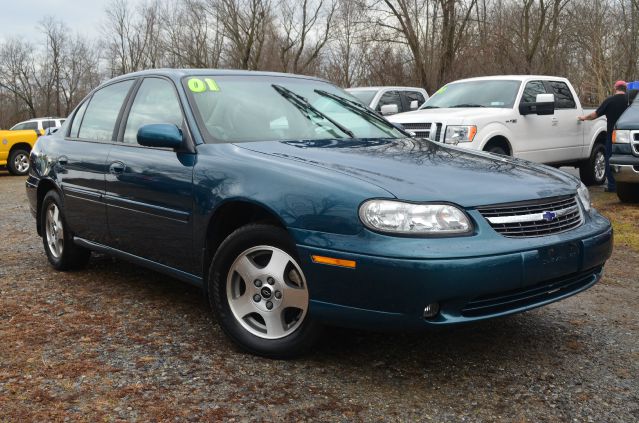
(532, 89)
(155, 102)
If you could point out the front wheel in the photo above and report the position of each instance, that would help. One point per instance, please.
(62, 253)
(259, 293)
(628, 193)
(592, 171)
(18, 163)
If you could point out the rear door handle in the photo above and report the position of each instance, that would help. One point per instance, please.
(555, 121)
(117, 168)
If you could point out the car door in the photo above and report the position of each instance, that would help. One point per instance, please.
(533, 137)
(80, 160)
(569, 132)
(149, 190)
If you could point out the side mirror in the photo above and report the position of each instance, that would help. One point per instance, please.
(161, 135)
(389, 109)
(414, 105)
(544, 105)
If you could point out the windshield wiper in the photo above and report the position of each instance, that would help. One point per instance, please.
(467, 105)
(360, 109)
(429, 107)
(305, 107)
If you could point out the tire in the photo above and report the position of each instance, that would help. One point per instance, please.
(18, 163)
(628, 193)
(592, 171)
(62, 253)
(495, 149)
(266, 254)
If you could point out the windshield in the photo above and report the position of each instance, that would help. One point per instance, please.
(244, 108)
(364, 96)
(486, 93)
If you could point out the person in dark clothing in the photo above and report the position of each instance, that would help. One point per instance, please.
(612, 108)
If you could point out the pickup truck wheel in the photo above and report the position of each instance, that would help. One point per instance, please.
(62, 253)
(18, 163)
(259, 293)
(592, 171)
(627, 193)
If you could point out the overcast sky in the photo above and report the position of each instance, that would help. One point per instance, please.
(20, 18)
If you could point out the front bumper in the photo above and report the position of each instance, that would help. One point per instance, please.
(625, 168)
(391, 293)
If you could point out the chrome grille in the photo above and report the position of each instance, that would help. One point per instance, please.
(534, 218)
(424, 130)
(635, 143)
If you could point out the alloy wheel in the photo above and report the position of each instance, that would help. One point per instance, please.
(600, 166)
(267, 293)
(54, 231)
(21, 163)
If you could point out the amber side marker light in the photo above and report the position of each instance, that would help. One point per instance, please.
(614, 136)
(334, 261)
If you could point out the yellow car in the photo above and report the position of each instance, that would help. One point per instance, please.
(15, 147)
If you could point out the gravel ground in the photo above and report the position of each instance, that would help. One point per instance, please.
(116, 342)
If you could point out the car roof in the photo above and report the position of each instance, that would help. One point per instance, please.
(511, 77)
(395, 87)
(180, 73)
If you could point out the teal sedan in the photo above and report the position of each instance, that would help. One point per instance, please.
(292, 206)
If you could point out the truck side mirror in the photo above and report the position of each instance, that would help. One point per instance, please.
(544, 105)
(414, 105)
(389, 109)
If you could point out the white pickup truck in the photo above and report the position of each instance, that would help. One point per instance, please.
(530, 117)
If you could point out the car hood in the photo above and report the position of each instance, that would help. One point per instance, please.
(420, 170)
(461, 115)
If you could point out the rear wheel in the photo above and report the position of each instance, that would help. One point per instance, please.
(18, 163)
(62, 253)
(592, 171)
(259, 293)
(628, 193)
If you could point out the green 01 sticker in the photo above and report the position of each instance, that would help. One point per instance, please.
(198, 85)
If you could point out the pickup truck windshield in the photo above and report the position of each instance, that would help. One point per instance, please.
(486, 93)
(364, 96)
(239, 108)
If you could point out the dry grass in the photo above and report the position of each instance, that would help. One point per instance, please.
(624, 218)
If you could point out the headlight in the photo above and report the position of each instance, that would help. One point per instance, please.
(584, 197)
(414, 219)
(621, 136)
(456, 134)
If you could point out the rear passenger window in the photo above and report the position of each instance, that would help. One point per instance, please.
(563, 96)
(102, 112)
(48, 124)
(532, 89)
(155, 102)
(77, 120)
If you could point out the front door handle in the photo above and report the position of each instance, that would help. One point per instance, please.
(555, 121)
(117, 168)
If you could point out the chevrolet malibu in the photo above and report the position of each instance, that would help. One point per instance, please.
(293, 206)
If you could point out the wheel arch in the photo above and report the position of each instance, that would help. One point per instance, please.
(229, 216)
(599, 138)
(44, 186)
(20, 144)
(499, 140)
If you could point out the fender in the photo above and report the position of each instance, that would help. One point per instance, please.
(496, 129)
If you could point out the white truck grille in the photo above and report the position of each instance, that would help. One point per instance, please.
(431, 131)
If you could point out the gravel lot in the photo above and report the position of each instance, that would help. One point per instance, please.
(117, 342)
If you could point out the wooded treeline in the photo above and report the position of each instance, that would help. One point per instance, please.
(351, 42)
